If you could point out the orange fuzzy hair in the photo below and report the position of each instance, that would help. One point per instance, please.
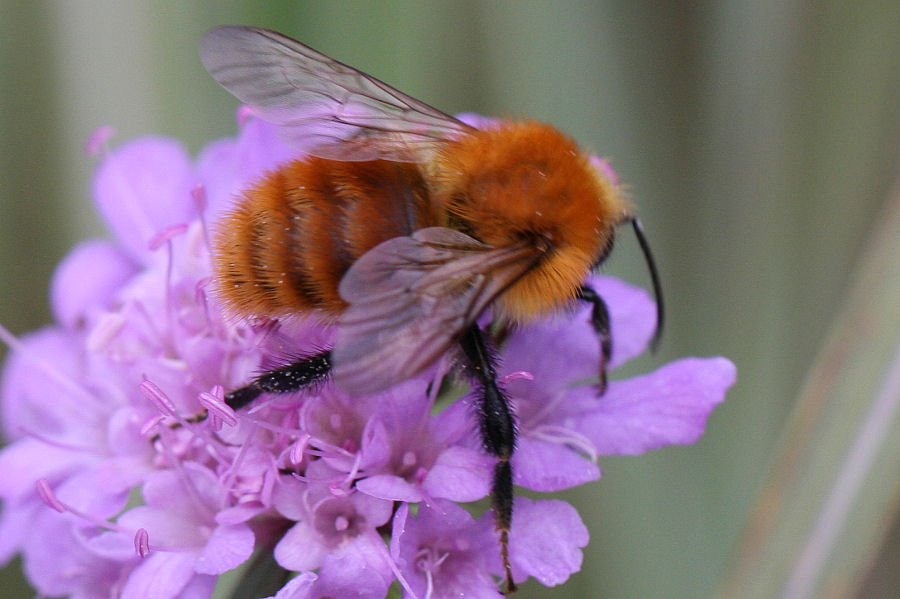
(524, 180)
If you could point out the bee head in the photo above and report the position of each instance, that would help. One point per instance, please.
(525, 182)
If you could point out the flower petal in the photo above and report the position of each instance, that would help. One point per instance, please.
(546, 466)
(50, 363)
(86, 281)
(356, 569)
(142, 188)
(444, 553)
(298, 587)
(667, 407)
(300, 549)
(162, 575)
(17, 525)
(58, 562)
(546, 540)
(391, 487)
(198, 587)
(25, 461)
(227, 548)
(460, 474)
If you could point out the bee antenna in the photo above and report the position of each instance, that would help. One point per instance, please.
(654, 276)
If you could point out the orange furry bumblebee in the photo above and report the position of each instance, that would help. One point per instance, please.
(297, 232)
(403, 225)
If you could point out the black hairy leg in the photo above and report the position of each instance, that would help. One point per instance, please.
(600, 322)
(498, 435)
(292, 377)
(600, 312)
(285, 379)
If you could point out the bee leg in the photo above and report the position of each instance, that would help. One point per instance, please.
(600, 322)
(498, 434)
(292, 377)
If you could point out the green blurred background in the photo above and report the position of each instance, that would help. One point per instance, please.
(758, 138)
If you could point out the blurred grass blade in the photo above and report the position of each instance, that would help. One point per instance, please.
(834, 488)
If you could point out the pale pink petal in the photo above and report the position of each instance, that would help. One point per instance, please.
(389, 486)
(548, 466)
(358, 568)
(546, 540)
(460, 474)
(298, 587)
(227, 548)
(198, 587)
(86, 281)
(161, 575)
(142, 188)
(299, 549)
(25, 461)
(669, 406)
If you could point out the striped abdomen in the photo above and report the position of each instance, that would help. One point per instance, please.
(289, 241)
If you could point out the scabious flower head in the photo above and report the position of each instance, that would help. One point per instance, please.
(112, 487)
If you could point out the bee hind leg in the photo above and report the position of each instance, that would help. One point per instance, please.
(498, 435)
(295, 376)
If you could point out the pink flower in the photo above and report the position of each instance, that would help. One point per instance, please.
(112, 487)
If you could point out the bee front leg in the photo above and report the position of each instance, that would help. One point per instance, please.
(498, 435)
(600, 322)
(292, 377)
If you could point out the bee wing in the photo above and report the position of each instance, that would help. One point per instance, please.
(322, 104)
(410, 297)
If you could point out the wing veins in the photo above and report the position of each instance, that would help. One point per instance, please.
(297, 87)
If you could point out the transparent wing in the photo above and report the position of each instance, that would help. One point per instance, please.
(325, 107)
(410, 297)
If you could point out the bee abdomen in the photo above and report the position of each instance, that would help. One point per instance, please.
(287, 244)
(253, 255)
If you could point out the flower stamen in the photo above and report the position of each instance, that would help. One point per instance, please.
(48, 496)
(97, 141)
(45, 492)
(565, 436)
(214, 402)
(142, 542)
